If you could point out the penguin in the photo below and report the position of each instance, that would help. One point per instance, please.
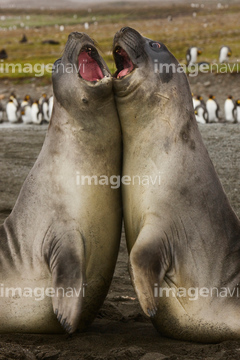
(43, 106)
(202, 102)
(198, 100)
(192, 54)
(26, 111)
(45, 111)
(36, 113)
(50, 107)
(201, 114)
(42, 99)
(15, 100)
(12, 111)
(229, 109)
(212, 109)
(224, 54)
(195, 101)
(237, 106)
(27, 99)
(23, 39)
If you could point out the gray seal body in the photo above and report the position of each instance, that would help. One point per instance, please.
(182, 234)
(59, 245)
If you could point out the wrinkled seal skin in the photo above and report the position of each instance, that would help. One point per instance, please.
(61, 233)
(181, 231)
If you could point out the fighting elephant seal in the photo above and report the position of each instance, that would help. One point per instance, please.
(182, 234)
(59, 246)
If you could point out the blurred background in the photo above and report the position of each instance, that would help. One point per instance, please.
(179, 24)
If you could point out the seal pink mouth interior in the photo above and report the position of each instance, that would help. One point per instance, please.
(88, 67)
(126, 63)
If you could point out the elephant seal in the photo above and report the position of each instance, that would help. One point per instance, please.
(181, 231)
(59, 246)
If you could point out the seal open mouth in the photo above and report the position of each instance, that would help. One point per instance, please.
(90, 67)
(123, 63)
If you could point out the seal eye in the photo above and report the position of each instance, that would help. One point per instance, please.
(155, 45)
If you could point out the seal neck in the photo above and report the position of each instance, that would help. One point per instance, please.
(94, 131)
(155, 106)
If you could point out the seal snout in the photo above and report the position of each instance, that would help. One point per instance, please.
(128, 51)
(129, 36)
(80, 50)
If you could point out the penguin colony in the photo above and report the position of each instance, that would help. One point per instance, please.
(39, 111)
(208, 112)
(27, 111)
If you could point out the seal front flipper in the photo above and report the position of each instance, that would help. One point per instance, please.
(149, 262)
(66, 261)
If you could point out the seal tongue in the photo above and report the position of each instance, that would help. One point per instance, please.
(123, 72)
(126, 64)
(88, 67)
